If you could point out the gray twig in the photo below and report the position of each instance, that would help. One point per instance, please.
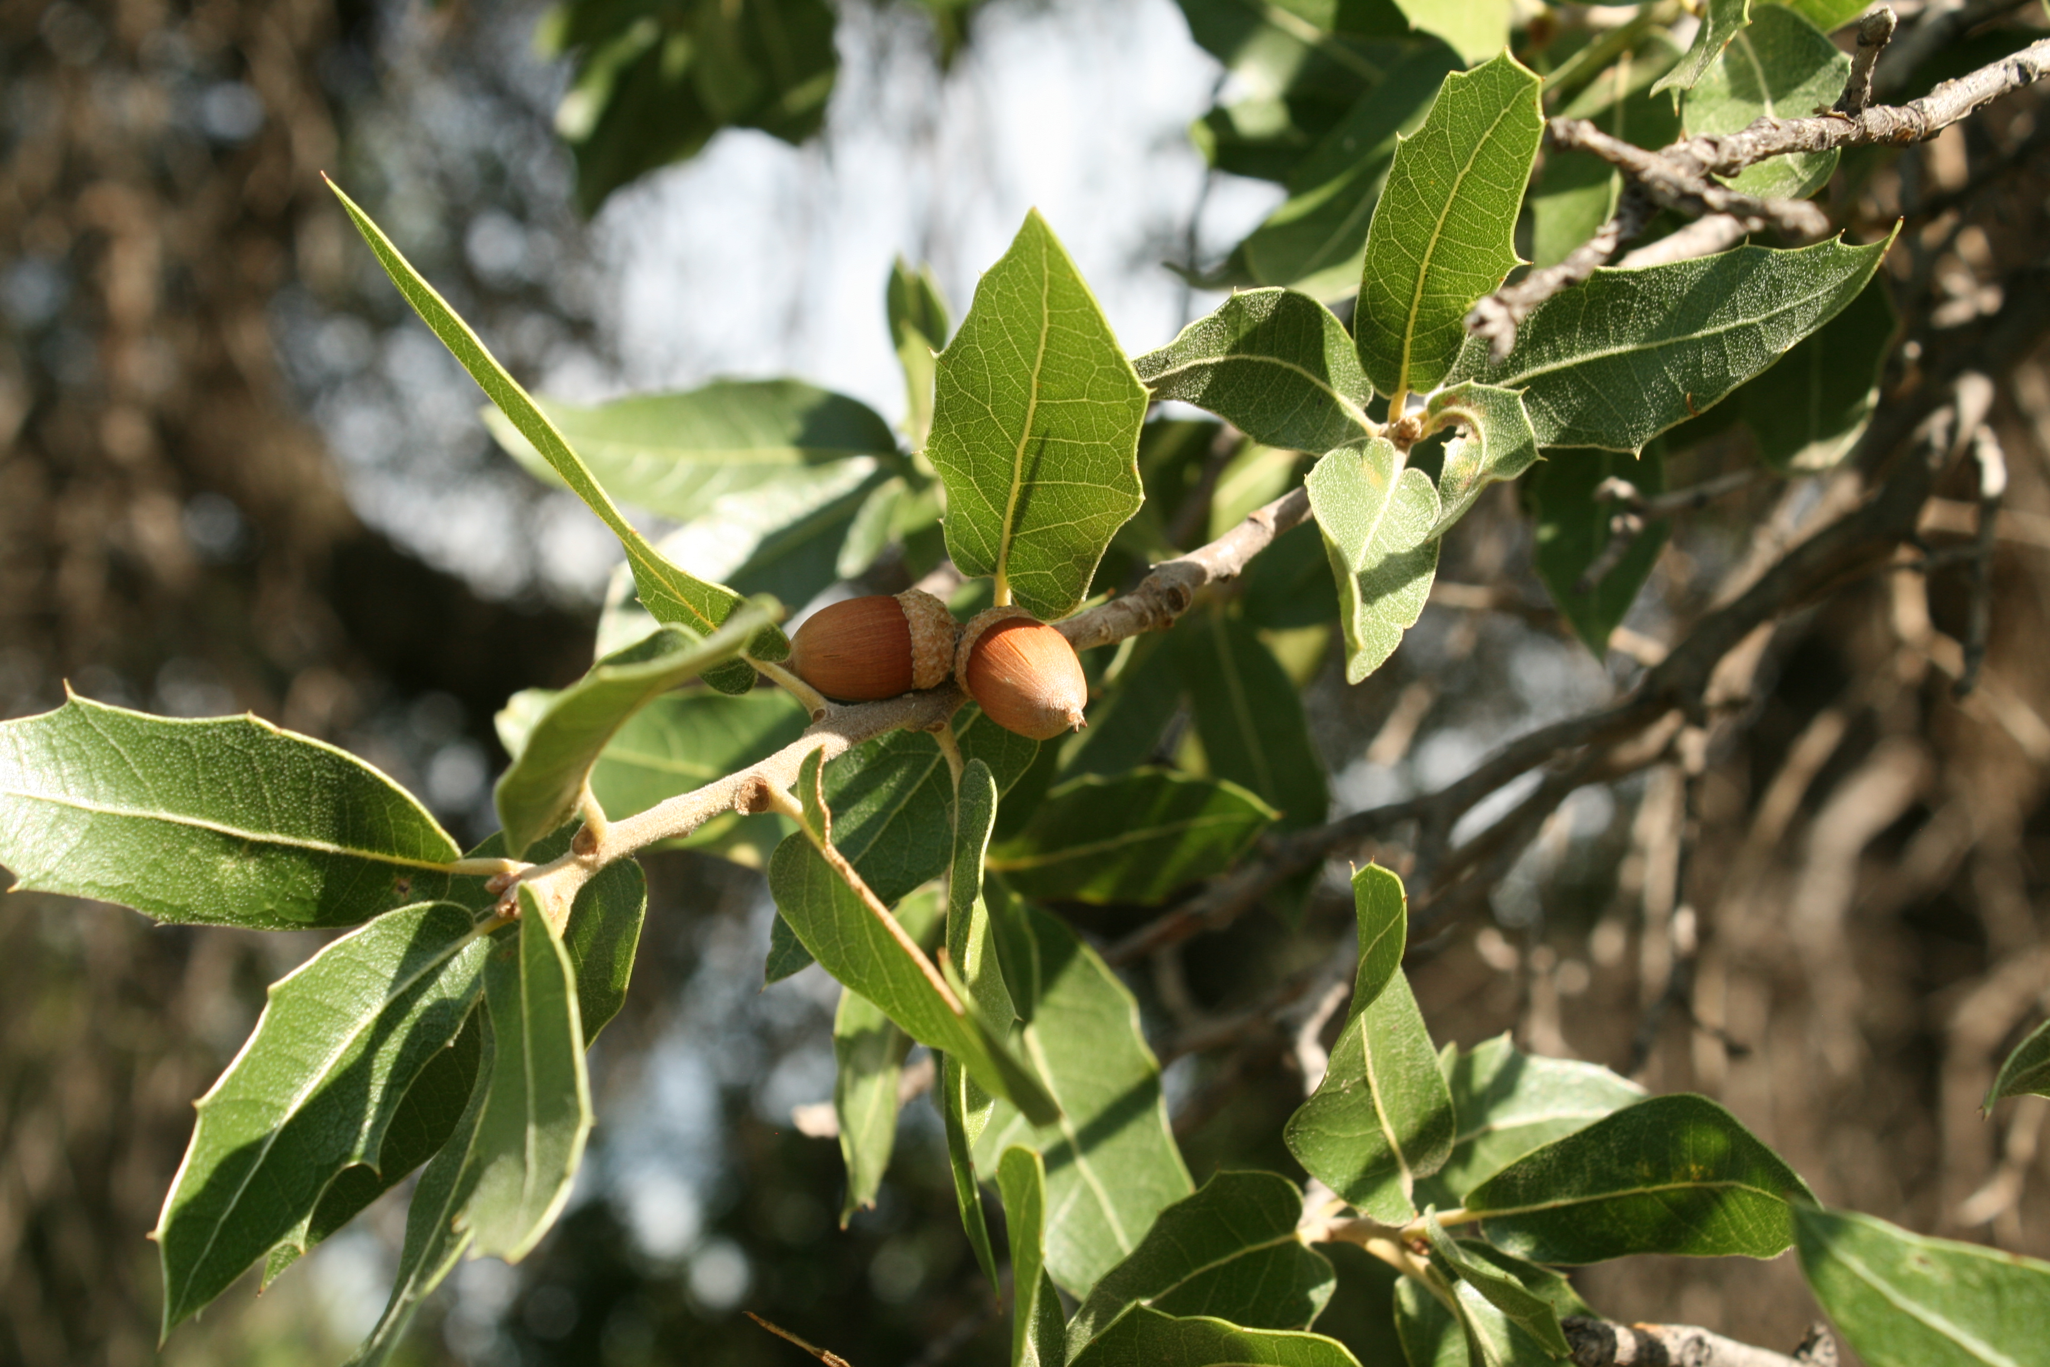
(1497, 316)
(1874, 33)
(1600, 1343)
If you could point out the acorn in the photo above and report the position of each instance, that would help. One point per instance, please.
(864, 649)
(1022, 672)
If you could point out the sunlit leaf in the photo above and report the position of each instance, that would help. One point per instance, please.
(919, 326)
(1721, 20)
(1141, 1337)
(1478, 29)
(1522, 1307)
(1811, 408)
(1037, 1334)
(1273, 363)
(2026, 1071)
(1495, 444)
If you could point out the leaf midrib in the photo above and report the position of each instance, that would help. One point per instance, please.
(1729, 1184)
(1008, 532)
(1934, 1322)
(1353, 412)
(222, 828)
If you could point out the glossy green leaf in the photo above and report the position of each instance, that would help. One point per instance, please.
(1495, 443)
(1273, 363)
(919, 325)
(1477, 29)
(229, 821)
(1906, 1300)
(1811, 408)
(1522, 1307)
(1142, 1338)
(1377, 515)
(1249, 716)
(314, 1091)
(1441, 233)
(1510, 1103)
(677, 453)
(1111, 1163)
(964, 1113)
(1675, 1174)
(1317, 239)
(541, 789)
(435, 1234)
(1230, 1251)
(1781, 67)
(537, 1115)
(1037, 1334)
(1721, 21)
(1133, 837)
(1036, 429)
(869, 1052)
(864, 947)
(1382, 1117)
(2026, 1071)
(1614, 362)
(1573, 530)
(666, 589)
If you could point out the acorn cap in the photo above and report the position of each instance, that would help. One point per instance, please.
(933, 633)
(1022, 673)
(873, 647)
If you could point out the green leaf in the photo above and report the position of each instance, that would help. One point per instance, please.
(1619, 359)
(1781, 67)
(1111, 1161)
(1432, 1336)
(1378, 515)
(1811, 408)
(1273, 363)
(1477, 28)
(537, 1115)
(229, 821)
(1721, 20)
(1135, 837)
(870, 1053)
(1496, 445)
(1518, 1304)
(1037, 1335)
(1906, 1300)
(678, 453)
(964, 1111)
(857, 941)
(2026, 1071)
(784, 538)
(435, 1237)
(666, 590)
(1381, 907)
(541, 789)
(313, 1091)
(1441, 233)
(1472, 1333)
(1296, 48)
(1127, 723)
(1382, 1117)
(1675, 1174)
(1287, 585)
(1249, 716)
(1510, 1103)
(1572, 530)
(971, 945)
(1143, 1337)
(1828, 15)
(919, 324)
(1230, 1251)
(1036, 429)
(1317, 239)
(1576, 192)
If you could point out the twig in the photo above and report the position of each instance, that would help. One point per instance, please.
(1992, 487)
(1677, 177)
(825, 1355)
(1639, 512)
(1497, 316)
(1874, 33)
(1935, 31)
(1599, 1343)
(1705, 236)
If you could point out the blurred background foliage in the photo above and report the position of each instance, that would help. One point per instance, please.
(234, 475)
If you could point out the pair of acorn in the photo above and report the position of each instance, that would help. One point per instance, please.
(1020, 671)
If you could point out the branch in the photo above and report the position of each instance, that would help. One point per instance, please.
(1935, 31)
(1598, 1343)
(1874, 33)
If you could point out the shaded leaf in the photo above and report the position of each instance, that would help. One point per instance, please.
(1781, 67)
(1617, 360)
(1721, 20)
(964, 1112)
(869, 1052)
(1127, 723)
(783, 538)
(229, 821)
(1037, 1334)
(919, 324)
(1273, 363)
(1287, 585)
(1111, 1163)
(1576, 192)
(1230, 1251)
(1249, 716)
(1377, 515)
(678, 453)
(666, 589)
(1134, 837)
(1036, 429)
(1572, 530)
(340, 1041)
(1519, 1305)
(1142, 1337)
(1675, 1174)
(1906, 1300)
(1381, 908)
(1441, 233)
(537, 1115)
(2026, 1071)
(1828, 15)
(542, 787)
(1811, 408)
(1510, 1103)
(1496, 444)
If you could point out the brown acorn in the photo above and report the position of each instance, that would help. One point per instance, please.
(1023, 673)
(863, 649)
